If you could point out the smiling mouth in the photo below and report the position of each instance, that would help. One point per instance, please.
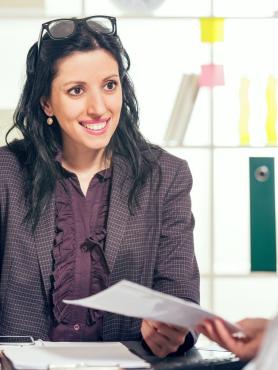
(95, 126)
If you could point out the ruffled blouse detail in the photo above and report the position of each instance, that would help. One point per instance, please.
(77, 251)
(64, 256)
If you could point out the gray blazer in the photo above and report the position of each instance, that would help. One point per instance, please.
(154, 247)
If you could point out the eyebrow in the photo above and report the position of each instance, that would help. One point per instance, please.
(83, 82)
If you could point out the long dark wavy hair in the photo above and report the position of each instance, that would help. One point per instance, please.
(41, 143)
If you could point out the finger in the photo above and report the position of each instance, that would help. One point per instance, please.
(150, 335)
(228, 341)
(179, 329)
(150, 332)
(165, 328)
(175, 336)
(147, 329)
(155, 348)
(246, 347)
(168, 344)
(202, 330)
(199, 328)
(209, 329)
(211, 332)
(252, 326)
(247, 326)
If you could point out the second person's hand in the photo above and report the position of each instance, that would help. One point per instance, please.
(246, 347)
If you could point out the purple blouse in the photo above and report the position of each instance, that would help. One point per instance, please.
(80, 268)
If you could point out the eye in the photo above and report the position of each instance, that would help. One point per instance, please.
(111, 85)
(75, 91)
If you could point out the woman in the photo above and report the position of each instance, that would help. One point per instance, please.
(85, 201)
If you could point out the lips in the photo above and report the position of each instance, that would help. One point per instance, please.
(95, 125)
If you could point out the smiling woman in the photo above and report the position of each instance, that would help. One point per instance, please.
(85, 200)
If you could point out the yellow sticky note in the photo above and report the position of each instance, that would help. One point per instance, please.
(271, 116)
(212, 29)
(244, 111)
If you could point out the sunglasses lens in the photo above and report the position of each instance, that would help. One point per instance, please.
(100, 25)
(62, 28)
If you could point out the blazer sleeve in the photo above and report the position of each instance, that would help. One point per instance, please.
(176, 270)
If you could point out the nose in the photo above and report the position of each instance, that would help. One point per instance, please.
(96, 103)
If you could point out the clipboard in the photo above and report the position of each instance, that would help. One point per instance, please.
(72, 355)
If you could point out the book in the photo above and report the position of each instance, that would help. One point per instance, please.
(182, 110)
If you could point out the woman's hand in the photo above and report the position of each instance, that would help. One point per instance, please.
(161, 338)
(244, 348)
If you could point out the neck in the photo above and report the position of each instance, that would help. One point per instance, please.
(85, 160)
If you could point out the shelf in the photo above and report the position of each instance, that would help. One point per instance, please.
(212, 147)
(35, 14)
(251, 275)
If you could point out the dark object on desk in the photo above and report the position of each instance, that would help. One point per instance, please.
(193, 360)
(202, 360)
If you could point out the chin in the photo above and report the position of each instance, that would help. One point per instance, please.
(98, 145)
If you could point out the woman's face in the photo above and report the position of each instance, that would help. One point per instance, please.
(86, 99)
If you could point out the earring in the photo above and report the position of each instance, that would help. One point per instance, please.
(49, 121)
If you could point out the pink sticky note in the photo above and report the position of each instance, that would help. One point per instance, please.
(211, 75)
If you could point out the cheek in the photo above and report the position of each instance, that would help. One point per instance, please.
(68, 109)
(116, 104)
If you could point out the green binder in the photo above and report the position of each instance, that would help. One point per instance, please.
(262, 214)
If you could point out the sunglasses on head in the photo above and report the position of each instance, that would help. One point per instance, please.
(59, 29)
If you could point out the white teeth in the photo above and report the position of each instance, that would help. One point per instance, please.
(95, 127)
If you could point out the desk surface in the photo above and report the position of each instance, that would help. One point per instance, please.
(195, 359)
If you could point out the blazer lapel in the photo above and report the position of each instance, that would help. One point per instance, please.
(44, 238)
(118, 210)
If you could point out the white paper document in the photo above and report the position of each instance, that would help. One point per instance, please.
(131, 299)
(70, 355)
